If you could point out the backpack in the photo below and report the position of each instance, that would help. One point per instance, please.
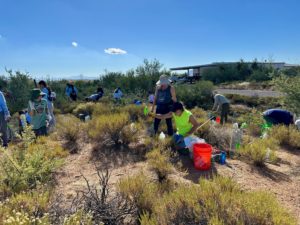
(51, 95)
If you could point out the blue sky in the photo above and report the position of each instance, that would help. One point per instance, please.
(64, 38)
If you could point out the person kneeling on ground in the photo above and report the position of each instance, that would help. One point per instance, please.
(221, 104)
(38, 110)
(278, 116)
(186, 125)
(95, 97)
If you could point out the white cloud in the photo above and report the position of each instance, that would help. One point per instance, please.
(115, 51)
(74, 44)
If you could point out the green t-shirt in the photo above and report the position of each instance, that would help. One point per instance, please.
(39, 117)
(182, 122)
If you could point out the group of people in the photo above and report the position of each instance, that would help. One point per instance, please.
(167, 107)
(40, 116)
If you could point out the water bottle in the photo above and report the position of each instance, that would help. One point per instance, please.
(162, 136)
(223, 158)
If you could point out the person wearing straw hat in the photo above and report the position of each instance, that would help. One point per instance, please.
(38, 110)
(164, 98)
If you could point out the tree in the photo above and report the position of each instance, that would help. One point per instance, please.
(19, 86)
(290, 86)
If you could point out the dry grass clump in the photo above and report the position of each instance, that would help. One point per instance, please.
(260, 151)
(286, 136)
(69, 131)
(114, 129)
(218, 136)
(79, 217)
(159, 162)
(135, 112)
(32, 203)
(84, 108)
(216, 201)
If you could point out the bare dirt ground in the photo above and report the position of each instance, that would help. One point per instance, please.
(283, 180)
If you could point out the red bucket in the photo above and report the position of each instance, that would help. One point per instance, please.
(202, 156)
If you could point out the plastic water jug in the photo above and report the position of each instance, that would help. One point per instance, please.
(162, 136)
(202, 156)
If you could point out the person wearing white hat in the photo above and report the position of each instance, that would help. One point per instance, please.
(165, 96)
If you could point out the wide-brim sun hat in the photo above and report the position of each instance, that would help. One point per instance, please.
(35, 93)
(164, 79)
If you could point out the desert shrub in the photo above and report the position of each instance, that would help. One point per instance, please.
(33, 203)
(260, 151)
(216, 201)
(199, 113)
(131, 133)
(104, 109)
(290, 86)
(79, 217)
(65, 106)
(102, 206)
(199, 94)
(27, 165)
(254, 121)
(55, 150)
(19, 86)
(135, 112)
(17, 218)
(108, 128)
(159, 162)
(21, 174)
(140, 190)
(218, 136)
(286, 136)
(84, 108)
(68, 130)
(254, 101)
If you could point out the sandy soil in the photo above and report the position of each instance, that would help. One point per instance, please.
(283, 180)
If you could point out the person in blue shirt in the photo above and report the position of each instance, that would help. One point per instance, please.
(71, 91)
(49, 97)
(4, 118)
(278, 116)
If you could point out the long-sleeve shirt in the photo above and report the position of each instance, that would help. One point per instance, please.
(3, 105)
(69, 90)
(219, 101)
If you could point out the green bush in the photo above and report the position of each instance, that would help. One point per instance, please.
(23, 169)
(69, 130)
(79, 217)
(199, 94)
(108, 128)
(19, 86)
(260, 151)
(286, 136)
(33, 203)
(290, 86)
(216, 201)
(159, 162)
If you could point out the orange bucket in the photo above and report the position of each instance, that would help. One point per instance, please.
(202, 156)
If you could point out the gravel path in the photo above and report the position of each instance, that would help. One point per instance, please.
(259, 93)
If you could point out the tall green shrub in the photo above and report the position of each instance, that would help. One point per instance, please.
(199, 94)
